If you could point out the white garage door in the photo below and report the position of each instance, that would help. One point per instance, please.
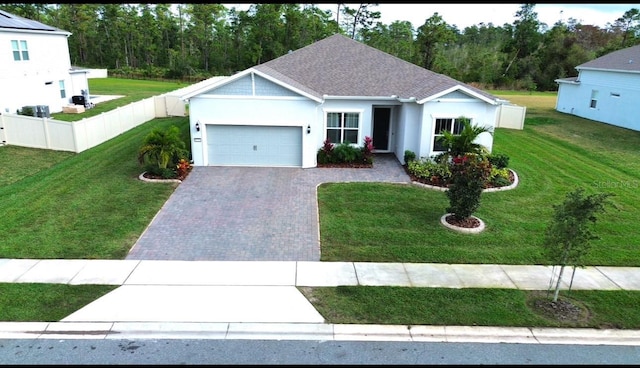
(250, 145)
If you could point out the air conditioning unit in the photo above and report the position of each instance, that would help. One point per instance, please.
(42, 111)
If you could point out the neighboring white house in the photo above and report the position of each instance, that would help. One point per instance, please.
(35, 67)
(607, 89)
(279, 113)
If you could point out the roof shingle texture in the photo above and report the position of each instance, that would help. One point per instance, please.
(626, 59)
(340, 66)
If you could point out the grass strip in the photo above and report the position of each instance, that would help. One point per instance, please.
(26, 302)
(467, 307)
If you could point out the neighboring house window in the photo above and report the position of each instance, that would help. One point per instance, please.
(20, 51)
(343, 127)
(594, 99)
(63, 93)
(453, 126)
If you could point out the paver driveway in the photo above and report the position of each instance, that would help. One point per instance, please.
(249, 213)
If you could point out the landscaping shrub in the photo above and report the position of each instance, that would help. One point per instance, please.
(436, 172)
(345, 152)
(409, 156)
(367, 150)
(499, 177)
(26, 111)
(161, 151)
(469, 173)
(325, 154)
(182, 168)
(499, 160)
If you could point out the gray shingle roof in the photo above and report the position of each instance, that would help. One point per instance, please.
(12, 21)
(626, 59)
(340, 66)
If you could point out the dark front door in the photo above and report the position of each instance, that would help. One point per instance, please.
(381, 124)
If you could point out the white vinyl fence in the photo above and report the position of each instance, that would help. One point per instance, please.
(77, 136)
(511, 117)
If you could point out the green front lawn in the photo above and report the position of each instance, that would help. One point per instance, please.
(89, 205)
(396, 223)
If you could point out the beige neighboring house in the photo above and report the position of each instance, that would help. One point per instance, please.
(35, 67)
(280, 112)
(607, 89)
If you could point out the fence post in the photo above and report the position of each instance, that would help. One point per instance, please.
(47, 139)
(3, 138)
(74, 136)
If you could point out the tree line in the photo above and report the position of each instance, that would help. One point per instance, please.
(200, 40)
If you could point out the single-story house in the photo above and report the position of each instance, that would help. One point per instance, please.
(280, 112)
(607, 89)
(35, 69)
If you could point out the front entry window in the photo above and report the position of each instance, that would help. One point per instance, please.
(343, 127)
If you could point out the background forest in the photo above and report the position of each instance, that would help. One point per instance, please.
(193, 42)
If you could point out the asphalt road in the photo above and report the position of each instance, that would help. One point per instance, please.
(305, 352)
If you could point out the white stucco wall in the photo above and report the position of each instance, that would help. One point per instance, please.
(617, 97)
(409, 129)
(263, 111)
(34, 81)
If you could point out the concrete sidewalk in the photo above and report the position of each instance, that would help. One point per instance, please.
(259, 300)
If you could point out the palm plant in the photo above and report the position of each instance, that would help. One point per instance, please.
(162, 147)
(463, 143)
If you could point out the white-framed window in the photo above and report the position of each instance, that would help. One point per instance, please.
(594, 99)
(451, 125)
(343, 127)
(63, 92)
(20, 50)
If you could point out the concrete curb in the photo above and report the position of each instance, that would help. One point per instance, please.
(142, 177)
(316, 331)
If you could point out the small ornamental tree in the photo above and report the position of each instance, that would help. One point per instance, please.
(568, 236)
(468, 174)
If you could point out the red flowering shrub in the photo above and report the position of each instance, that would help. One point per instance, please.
(183, 168)
(367, 150)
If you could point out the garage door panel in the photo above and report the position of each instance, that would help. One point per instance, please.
(244, 145)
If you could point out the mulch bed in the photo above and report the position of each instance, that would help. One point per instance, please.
(512, 179)
(468, 223)
(157, 177)
(348, 165)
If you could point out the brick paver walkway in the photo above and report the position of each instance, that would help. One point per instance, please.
(249, 214)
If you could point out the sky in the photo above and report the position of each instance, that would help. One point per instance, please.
(465, 15)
